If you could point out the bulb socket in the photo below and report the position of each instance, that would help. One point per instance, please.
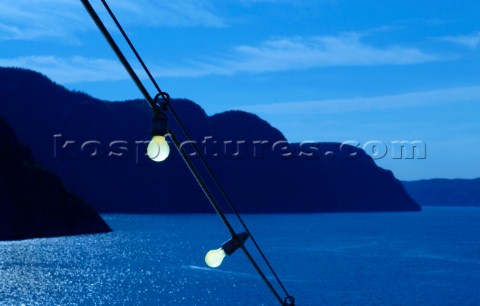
(235, 243)
(159, 123)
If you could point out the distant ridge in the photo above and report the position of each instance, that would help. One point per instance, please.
(445, 192)
(331, 181)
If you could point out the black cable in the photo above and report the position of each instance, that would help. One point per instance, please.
(184, 130)
(232, 207)
(177, 144)
(182, 127)
(239, 218)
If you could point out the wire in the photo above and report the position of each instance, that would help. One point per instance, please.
(185, 132)
(289, 300)
(232, 207)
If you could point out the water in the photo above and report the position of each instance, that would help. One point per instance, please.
(426, 258)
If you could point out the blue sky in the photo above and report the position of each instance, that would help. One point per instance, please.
(326, 70)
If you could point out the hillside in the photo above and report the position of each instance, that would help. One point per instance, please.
(33, 202)
(97, 148)
(445, 192)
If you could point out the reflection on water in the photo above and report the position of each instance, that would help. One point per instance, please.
(426, 258)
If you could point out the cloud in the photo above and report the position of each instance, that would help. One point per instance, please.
(346, 49)
(298, 53)
(406, 100)
(277, 55)
(44, 19)
(72, 69)
(27, 20)
(470, 41)
(179, 13)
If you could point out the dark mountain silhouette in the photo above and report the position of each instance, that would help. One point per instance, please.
(272, 177)
(445, 192)
(33, 202)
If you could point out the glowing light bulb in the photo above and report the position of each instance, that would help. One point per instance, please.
(214, 258)
(158, 149)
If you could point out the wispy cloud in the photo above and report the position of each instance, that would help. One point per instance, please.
(278, 55)
(471, 41)
(72, 69)
(27, 20)
(301, 53)
(346, 49)
(44, 19)
(182, 13)
(406, 100)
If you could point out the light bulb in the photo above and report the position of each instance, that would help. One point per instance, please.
(158, 149)
(214, 258)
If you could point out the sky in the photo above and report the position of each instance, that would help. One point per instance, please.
(370, 73)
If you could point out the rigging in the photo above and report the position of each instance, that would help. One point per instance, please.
(158, 109)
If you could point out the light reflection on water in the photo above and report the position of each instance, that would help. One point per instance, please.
(426, 258)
